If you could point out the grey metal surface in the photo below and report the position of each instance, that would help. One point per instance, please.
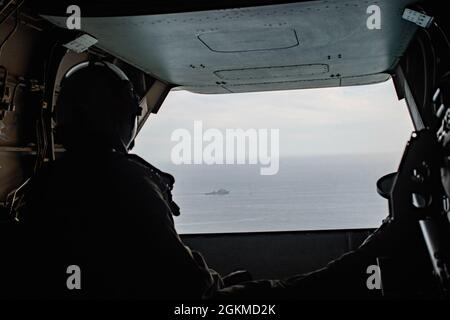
(290, 46)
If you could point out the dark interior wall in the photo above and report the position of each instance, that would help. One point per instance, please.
(16, 122)
(277, 254)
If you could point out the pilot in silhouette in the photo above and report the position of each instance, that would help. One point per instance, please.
(102, 209)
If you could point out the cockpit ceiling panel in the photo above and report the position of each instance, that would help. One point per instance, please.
(286, 46)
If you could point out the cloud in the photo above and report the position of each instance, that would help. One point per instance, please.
(360, 119)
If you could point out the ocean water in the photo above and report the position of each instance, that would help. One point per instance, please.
(308, 193)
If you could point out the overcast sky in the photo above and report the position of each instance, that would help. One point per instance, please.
(360, 119)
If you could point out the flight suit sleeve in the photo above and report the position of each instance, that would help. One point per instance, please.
(169, 267)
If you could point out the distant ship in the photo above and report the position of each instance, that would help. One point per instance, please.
(219, 192)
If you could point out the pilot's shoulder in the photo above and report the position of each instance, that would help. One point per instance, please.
(128, 165)
(132, 172)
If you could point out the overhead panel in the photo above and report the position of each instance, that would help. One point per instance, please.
(310, 44)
